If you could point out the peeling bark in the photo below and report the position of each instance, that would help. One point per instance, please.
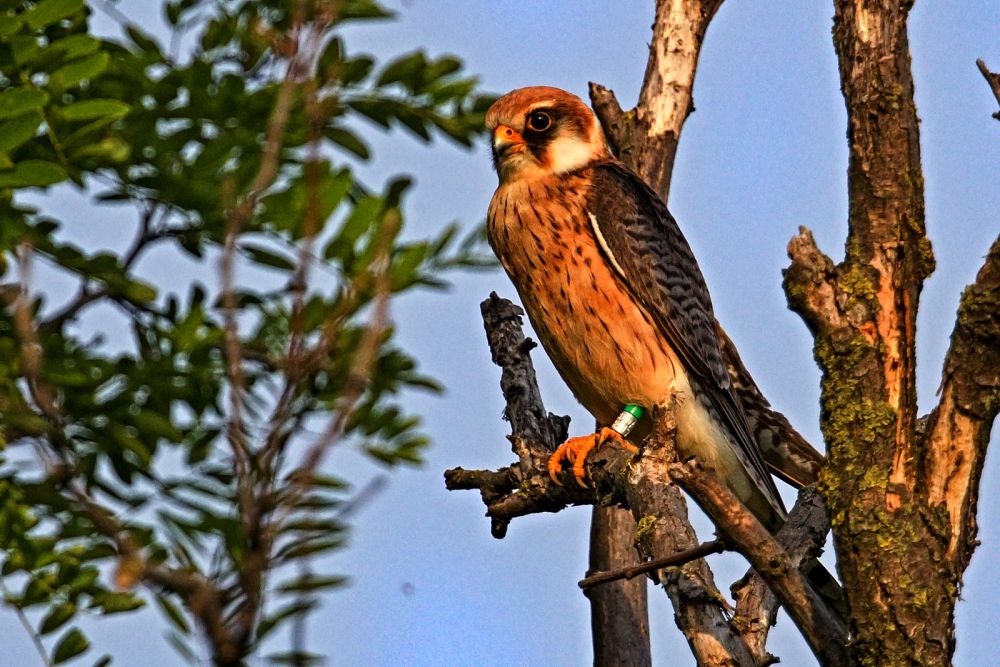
(958, 431)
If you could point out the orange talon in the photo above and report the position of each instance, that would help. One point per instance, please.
(576, 450)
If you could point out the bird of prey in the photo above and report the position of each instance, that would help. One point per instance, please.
(616, 297)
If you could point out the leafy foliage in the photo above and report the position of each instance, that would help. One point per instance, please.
(187, 458)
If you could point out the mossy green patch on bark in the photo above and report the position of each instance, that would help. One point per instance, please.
(644, 528)
(859, 283)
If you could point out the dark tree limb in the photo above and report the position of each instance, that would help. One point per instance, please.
(619, 610)
(993, 79)
(511, 352)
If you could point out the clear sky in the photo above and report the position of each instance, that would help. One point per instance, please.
(764, 153)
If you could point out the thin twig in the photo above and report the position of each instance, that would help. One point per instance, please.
(23, 618)
(632, 571)
(239, 215)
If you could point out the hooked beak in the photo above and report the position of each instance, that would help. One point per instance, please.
(505, 139)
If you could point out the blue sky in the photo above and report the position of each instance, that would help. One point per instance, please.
(764, 153)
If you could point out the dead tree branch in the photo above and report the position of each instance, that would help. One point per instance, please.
(958, 430)
(993, 79)
(802, 537)
(646, 137)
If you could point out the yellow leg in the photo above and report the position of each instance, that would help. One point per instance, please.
(576, 450)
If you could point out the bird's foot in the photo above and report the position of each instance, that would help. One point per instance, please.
(576, 450)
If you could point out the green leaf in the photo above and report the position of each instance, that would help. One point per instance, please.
(9, 24)
(270, 622)
(139, 292)
(86, 68)
(405, 69)
(17, 131)
(57, 617)
(355, 70)
(363, 10)
(32, 173)
(117, 602)
(104, 661)
(74, 46)
(266, 257)
(143, 41)
(175, 640)
(404, 266)
(111, 149)
(309, 583)
(173, 614)
(72, 644)
(360, 220)
(25, 48)
(96, 108)
(348, 141)
(17, 101)
(48, 12)
(153, 423)
(129, 442)
(298, 658)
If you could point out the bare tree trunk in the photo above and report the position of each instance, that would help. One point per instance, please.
(902, 502)
(619, 616)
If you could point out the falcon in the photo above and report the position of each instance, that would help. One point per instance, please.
(618, 302)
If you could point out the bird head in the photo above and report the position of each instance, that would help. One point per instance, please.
(542, 131)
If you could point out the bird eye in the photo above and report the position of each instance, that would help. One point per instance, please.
(539, 121)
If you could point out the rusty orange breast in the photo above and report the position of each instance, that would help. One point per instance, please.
(601, 340)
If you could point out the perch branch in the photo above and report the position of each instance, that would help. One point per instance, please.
(822, 629)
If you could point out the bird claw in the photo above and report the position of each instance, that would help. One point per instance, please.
(576, 451)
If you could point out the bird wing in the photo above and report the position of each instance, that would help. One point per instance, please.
(649, 252)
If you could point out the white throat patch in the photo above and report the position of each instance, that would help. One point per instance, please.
(568, 154)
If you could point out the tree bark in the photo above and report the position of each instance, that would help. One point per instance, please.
(619, 618)
(902, 503)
